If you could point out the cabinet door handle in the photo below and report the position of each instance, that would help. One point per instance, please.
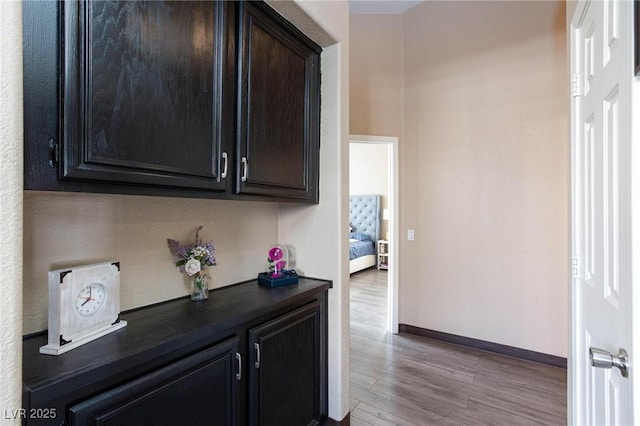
(257, 348)
(239, 373)
(245, 169)
(225, 164)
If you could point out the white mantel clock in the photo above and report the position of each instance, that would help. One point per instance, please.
(84, 304)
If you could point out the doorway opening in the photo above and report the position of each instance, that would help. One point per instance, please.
(388, 188)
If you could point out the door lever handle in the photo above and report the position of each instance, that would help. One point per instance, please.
(604, 359)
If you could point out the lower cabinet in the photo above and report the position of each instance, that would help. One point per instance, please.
(285, 373)
(248, 356)
(198, 390)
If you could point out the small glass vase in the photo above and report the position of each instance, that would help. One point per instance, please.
(199, 287)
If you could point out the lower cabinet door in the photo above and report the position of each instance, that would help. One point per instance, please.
(284, 365)
(201, 389)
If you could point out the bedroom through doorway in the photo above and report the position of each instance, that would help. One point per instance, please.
(373, 217)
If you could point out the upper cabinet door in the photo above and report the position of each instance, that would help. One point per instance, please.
(142, 93)
(278, 107)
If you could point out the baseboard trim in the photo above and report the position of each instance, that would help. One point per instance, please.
(344, 422)
(486, 346)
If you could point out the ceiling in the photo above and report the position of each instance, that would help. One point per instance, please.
(393, 7)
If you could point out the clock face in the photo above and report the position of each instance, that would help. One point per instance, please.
(90, 299)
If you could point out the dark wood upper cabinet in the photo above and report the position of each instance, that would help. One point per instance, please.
(143, 92)
(279, 107)
(208, 99)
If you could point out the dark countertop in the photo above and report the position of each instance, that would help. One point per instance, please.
(158, 334)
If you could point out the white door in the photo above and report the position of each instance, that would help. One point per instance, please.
(601, 61)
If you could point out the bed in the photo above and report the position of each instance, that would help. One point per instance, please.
(364, 231)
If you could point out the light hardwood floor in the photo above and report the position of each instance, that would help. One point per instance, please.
(412, 380)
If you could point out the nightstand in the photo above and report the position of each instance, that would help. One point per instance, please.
(383, 254)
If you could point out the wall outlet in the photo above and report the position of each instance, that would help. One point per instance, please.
(411, 234)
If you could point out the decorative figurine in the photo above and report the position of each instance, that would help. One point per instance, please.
(277, 274)
(277, 260)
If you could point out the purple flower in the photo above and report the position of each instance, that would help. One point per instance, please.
(198, 251)
(210, 259)
(177, 250)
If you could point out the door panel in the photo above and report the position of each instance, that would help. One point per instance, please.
(279, 108)
(140, 107)
(198, 390)
(601, 222)
(285, 380)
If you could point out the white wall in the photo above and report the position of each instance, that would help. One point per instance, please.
(485, 172)
(376, 75)
(319, 233)
(369, 174)
(11, 208)
(65, 229)
(483, 165)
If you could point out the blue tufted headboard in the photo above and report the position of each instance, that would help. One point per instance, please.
(364, 215)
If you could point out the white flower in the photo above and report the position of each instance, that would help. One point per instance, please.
(192, 266)
(200, 252)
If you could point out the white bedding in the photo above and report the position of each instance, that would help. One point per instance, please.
(361, 263)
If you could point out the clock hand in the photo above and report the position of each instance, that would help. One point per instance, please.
(87, 299)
